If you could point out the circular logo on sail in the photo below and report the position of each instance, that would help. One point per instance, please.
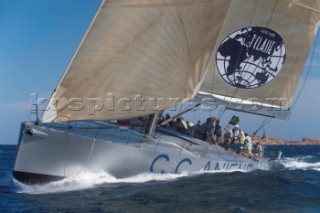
(251, 57)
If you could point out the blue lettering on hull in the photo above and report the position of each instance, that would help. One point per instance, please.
(187, 160)
(207, 167)
(156, 159)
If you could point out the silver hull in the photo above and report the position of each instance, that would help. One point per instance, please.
(50, 153)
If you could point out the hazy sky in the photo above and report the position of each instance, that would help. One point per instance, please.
(39, 37)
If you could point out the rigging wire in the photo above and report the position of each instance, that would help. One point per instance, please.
(262, 125)
(274, 7)
(308, 71)
(194, 116)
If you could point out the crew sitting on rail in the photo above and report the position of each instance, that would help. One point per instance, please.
(246, 149)
(248, 138)
(181, 125)
(218, 132)
(197, 131)
(258, 151)
(227, 137)
(238, 135)
(190, 128)
(207, 130)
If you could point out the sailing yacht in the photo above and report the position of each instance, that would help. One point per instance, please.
(141, 57)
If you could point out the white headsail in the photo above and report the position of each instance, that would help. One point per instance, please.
(261, 53)
(138, 57)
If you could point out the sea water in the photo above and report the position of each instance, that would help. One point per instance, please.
(293, 187)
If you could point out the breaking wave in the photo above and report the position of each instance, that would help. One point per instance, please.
(301, 162)
(88, 180)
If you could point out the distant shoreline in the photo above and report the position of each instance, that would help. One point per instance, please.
(280, 142)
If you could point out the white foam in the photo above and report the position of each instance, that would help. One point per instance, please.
(90, 180)
(87, 180)
(299, 158)
(300, 163)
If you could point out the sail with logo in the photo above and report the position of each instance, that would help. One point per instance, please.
(140, 57)
(261, 53)
(260, 48)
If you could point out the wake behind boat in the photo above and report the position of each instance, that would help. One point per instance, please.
(139, 58)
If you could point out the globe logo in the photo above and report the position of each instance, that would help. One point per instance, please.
(251, 57)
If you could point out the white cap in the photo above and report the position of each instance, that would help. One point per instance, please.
(236, 126)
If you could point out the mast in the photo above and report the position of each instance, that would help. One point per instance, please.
(152, 124)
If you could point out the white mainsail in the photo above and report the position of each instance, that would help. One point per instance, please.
(143, 56)
(294, 22)
(138, 57)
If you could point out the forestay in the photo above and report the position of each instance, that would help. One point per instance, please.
(138, 57)
(260, 55)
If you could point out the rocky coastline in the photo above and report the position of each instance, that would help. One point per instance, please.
(280, 142)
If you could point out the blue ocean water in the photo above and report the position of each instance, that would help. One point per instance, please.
(293, 187)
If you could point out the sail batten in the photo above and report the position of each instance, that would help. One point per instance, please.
(306, 6)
